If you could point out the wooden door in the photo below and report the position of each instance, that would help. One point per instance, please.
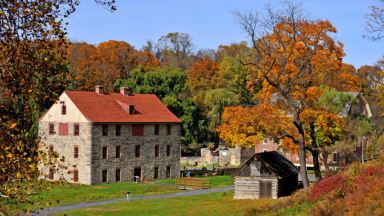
(265, 189)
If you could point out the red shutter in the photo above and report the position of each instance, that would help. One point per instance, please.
(138, 130)
(63, 129)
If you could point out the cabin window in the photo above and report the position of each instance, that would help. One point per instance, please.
(76, 129)
(168, 150)
(105, 130)
(118, 151)
(169, 127)
(63, 129)
(51, 173)
(138, 130)
(76, 152)
(104, 176)
(117, 175)
(137, 151)
(157, 148)
(75, 175)
(157, 129)
(156, 173)
(105, 152)
(51, 128)
(63, 110)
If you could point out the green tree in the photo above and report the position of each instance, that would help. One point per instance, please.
(169, 84)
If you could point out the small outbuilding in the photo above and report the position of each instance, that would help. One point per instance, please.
(266, 175)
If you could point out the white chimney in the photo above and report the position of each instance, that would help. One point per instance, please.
(99, 89)
(124, 90)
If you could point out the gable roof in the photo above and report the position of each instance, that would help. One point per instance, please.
(113, 107)
(274, 161)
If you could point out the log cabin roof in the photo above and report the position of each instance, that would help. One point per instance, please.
(274, 161)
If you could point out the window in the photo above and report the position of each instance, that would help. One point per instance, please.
(138, 130)
(105, 152)
(168, 172)
(51, 173)
(51, 129)
(334, 157)
(131, 109)
(118, 130)
(169, 127)
(157, 129)
(265, 141)
(157, 150)
(105, 130)
(104, 176)
(137, 151)
(156, 173)
(63, 129)
(168, 150)
(50, 149)
(117, 151)
(76, 152)
(75, 175)
(63, 110)
(76, 129)
(117, 175)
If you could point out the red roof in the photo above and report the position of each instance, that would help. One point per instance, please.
(113, 107)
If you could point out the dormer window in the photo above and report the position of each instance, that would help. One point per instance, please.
(63, 110)
(131, 109)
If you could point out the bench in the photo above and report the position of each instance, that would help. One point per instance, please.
(193, 183)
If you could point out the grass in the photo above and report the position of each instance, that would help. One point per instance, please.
(59, 194)
(221, 204)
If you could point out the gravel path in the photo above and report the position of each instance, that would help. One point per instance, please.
(54, 210)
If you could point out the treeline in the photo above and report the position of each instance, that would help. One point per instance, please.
(196, 86)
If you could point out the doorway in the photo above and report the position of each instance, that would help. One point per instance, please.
(265, 189)
(137, 174)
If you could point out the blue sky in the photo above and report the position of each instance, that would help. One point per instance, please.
(211, 22)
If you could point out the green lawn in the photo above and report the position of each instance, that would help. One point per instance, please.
(220, 204)
(65, 193)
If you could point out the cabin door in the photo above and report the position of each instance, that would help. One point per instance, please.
(265, 189)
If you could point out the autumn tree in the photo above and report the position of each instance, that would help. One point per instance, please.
(293, 56)
(104, 64)
(33, 72)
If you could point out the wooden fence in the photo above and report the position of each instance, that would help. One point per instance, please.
(193, 183)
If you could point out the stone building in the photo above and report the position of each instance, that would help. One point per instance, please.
(111, 137)
(222, 156)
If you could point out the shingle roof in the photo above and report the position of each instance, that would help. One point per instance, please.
(113, 107)
(275, 162)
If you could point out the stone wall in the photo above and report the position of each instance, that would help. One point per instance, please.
(64, 147)
(127, 161)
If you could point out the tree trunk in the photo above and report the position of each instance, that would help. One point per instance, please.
(315, 152)
(302, 157)
(325, 160)
(316, 164)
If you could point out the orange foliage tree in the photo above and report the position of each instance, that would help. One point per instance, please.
(104, 64)
(293, 57)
